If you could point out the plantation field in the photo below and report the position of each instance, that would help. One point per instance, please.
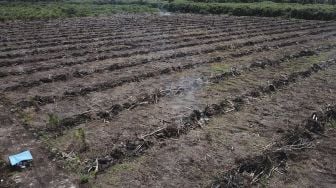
(180, 100)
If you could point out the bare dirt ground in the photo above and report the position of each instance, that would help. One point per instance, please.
(169, 101)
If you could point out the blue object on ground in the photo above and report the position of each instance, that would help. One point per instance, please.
(21, 157)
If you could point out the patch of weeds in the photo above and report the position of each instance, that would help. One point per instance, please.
(317, 58)
(46, 141)
(222, 86)
(69, 11)
(73, 163)
(332, 124)
(84, 178)
(123, 167)
(220, 68)
(263, 181)
(305, 62)
(44, 138)
(310, 60)
(115, 172)
(80, 139)
(53, 121)
(80, 134)
(70, 161)
(26, 117)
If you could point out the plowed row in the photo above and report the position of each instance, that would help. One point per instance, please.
(109, 91)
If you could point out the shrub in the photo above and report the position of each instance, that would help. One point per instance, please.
(80, 140)
(84, 178)
(325, 12)
(53, 121)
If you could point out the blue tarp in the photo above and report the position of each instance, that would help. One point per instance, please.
(24, 156)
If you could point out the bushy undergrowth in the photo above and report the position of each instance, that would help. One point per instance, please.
(332, 2)
(269, 9)
(47, 10)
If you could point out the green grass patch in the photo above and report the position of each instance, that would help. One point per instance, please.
(333, 2)
(113, 175)
(53, 121)
(49, 10)
(220, 67)
(80, 140)
(84, 178)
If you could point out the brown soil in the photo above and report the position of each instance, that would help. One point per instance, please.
(168, 101)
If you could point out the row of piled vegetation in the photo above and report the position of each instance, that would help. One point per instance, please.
(59, 9)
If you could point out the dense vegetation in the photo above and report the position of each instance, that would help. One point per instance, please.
(333, 2)
(269, 9)
(59, 9)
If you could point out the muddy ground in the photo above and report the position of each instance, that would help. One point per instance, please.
(169, 101)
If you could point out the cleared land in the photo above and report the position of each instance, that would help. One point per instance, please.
(169, 101)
